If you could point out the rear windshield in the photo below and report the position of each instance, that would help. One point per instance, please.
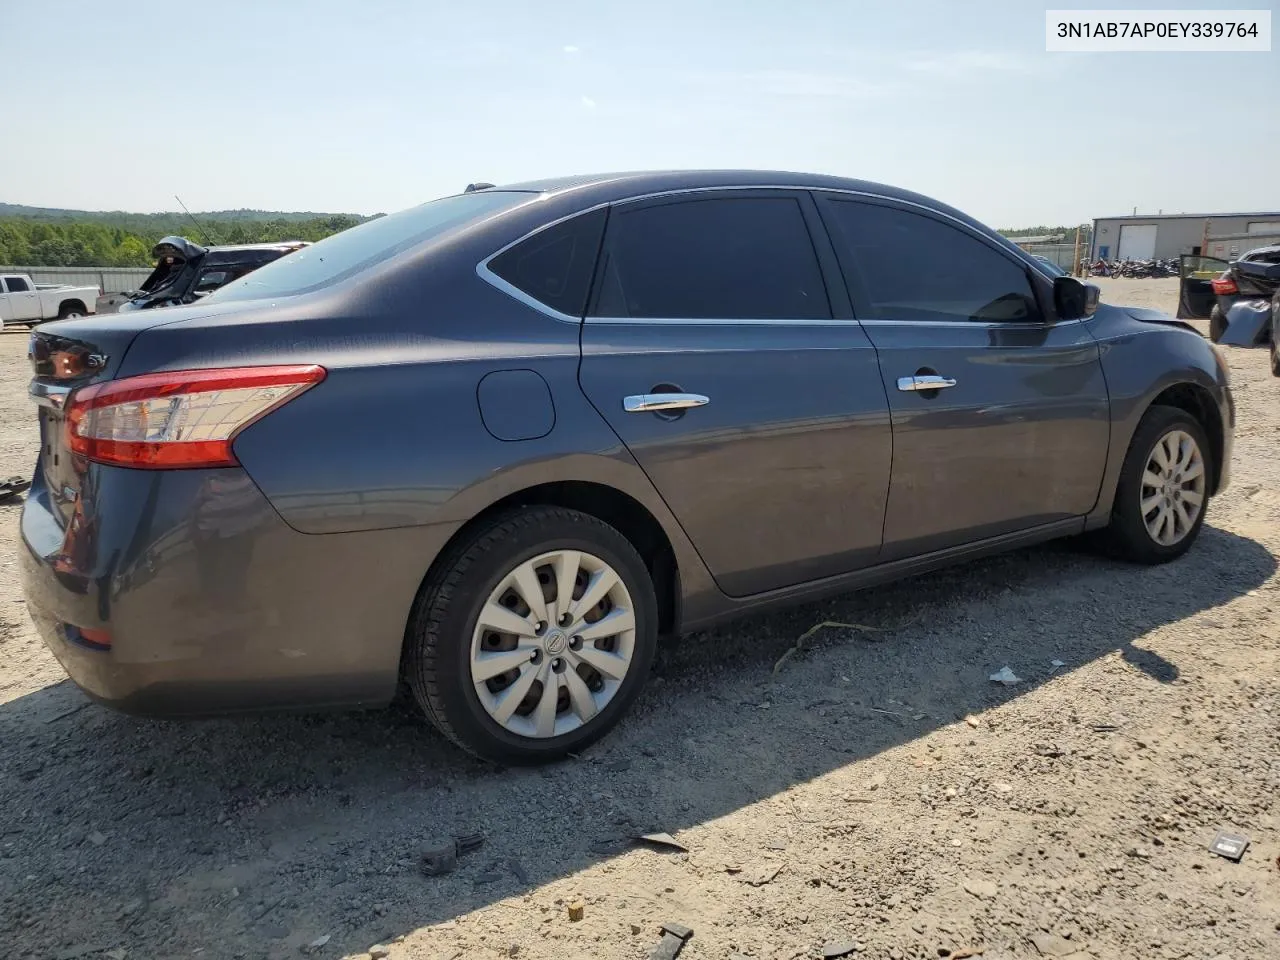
(359, 248)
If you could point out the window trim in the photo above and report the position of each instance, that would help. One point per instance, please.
(1036, 281)
(1044, 297)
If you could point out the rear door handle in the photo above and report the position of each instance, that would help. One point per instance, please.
(649, 402)
(917, 383)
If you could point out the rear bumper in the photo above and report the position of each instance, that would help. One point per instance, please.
(197, 599)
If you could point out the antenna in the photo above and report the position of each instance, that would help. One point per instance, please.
(207, 238)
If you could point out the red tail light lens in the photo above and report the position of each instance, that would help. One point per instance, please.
(178, 419)
(1224, 284)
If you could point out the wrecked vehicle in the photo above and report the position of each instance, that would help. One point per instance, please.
(186, 271)
(1234, 296)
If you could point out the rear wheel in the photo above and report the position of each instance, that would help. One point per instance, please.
(1163, 490)
(533, 636)
(1217, 323)
(71, 311)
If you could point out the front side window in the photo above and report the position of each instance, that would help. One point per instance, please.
(17, 285)
(910, 266)
(714, 258)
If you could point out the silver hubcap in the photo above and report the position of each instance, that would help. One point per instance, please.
(1173, 486)
(553, 643)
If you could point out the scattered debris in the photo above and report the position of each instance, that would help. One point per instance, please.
(513, 950)
(96, 838)
(318, 942)
(378, 952)
(1050, 750)
(1053, 946)
(972, 721)
(1056, 664)
(838, 948)
(663, 841)
(982, 889)
(576, 910)
(119, 953)
(966, 952)
(674, 937)
(437, 861)
(800, 647)
(12, 486)
(635, 929)
(1230, 846)
(1006, 677)
(1104, 727)
(758, 874)
(608, 846)
(518, 871)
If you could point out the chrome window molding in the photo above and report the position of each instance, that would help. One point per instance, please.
(487, 275)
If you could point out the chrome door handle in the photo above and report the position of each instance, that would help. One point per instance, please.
(913, 384)
(649, 402)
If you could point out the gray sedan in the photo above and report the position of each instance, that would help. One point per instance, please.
(496, 445)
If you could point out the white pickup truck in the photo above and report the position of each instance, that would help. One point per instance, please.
(22, 301)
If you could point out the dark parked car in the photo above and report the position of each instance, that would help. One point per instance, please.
(497, 444)
(186, 271)
(1235, 296)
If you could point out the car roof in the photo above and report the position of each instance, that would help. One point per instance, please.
(285, 245)
(1272, 248)
(592, 189)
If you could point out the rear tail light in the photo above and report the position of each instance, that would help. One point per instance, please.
(1224, 284)
(182, 418)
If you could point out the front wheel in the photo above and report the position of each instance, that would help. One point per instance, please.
(533, 636)
(1163, 489)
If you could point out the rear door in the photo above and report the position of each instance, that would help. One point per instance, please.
(749, 396)
(1195, 285)
(1001, 418)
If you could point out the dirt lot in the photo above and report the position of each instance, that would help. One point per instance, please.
(879, 789)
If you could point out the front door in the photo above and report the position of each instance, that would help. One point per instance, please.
(712, 348)
(24, 302)
(1195, 285)
(1000, 418)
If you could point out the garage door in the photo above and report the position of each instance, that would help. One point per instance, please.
(1138, 242)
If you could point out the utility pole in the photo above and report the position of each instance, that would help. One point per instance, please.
(1075, 257)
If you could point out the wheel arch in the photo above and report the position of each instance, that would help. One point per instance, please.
(72, 303)
(609, 504)
(1196, 401)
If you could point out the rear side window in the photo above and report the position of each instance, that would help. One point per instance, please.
(554, 266)
(347, 253)
(721, 258)
(17, 285)
(908, 266)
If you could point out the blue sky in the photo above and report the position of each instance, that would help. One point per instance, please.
(375, 106)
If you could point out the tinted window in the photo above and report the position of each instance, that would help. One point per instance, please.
(908, 266)
(17, 285)
(359, 248)
(726, 258)
(555, 266)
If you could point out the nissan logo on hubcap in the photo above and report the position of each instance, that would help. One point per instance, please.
(556, 642)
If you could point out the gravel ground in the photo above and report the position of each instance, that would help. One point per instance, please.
(878, 789)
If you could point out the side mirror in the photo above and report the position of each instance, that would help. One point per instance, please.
(1074, 300)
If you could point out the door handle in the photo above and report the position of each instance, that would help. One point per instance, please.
(649, 402)
(917, 383)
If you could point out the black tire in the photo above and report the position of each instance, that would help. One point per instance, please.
(1275, 357)
(438, 637)
(1217, 323)
(72, 309)
(1127, 535)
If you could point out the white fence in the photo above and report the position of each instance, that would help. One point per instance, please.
(107, 279)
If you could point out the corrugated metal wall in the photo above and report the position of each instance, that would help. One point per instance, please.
(109, 279)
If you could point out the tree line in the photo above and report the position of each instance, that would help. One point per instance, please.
(67, 242)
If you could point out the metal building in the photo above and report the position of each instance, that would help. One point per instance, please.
(1170, 235)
